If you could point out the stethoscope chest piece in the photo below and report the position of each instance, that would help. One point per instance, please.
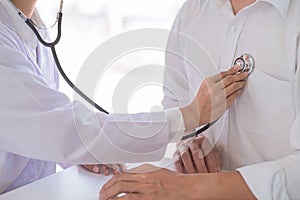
(246, 62)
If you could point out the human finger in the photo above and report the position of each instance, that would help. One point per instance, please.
(234, 87)
(210, 162)
(118, 168)
(88, 167)
(232, 97)
(219, 161)
(124, 187)
(123, 177)
(209, 157)
(178, 162)
(230, 79)
(96, 169)
(229, 83)
(187, 161)
(198, 158)
(105, 170)
(92, 168)
(131, 196)
(233, 70)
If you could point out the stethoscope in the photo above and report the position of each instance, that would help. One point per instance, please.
(246, 62)
(52, 45)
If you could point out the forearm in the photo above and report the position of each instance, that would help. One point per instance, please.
(192, 116)
(224, 185)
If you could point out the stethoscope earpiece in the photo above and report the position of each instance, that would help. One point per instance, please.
(246, 62)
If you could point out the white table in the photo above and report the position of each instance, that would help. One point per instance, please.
(74, 183)
(71, 184)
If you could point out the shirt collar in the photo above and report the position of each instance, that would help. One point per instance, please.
(18, 24)
(281, 5)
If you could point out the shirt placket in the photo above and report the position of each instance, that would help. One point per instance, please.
(231, 39)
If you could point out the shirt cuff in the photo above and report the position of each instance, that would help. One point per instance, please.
(265, 180)
(176, 124)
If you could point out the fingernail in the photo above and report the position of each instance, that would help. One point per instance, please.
(96, 169)
(236, 67)
(117, 168)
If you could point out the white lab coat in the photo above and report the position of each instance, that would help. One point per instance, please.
(37, 122)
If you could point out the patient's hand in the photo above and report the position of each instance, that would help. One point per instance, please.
(197, 155)
(105, 169)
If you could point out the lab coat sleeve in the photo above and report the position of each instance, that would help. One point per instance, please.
(279, 179)
(39, 122)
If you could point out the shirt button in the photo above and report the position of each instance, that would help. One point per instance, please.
(233, 29)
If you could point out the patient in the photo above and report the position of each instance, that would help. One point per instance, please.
(259, 136)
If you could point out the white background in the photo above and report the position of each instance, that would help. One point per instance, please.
(89, 23)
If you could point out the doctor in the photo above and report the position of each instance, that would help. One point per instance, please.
(40, 126)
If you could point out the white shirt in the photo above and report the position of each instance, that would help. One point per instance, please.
(260, 134)
(40, 126)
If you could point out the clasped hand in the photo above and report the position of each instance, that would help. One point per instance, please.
(197, 155)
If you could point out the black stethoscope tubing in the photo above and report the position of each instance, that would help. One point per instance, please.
(51, 45)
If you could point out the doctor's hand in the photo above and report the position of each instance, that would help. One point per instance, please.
(160, 184)
(197, 155)
(215, 96)
(105, 169)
